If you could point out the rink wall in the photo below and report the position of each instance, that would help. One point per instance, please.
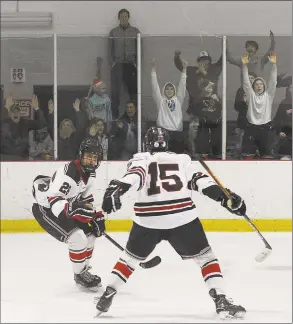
(266, 187)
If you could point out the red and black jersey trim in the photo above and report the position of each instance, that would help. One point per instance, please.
(160, 208)
(138, 171)
(88, 199)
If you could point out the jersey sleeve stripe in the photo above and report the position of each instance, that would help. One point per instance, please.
(138, 171)
(87, 199)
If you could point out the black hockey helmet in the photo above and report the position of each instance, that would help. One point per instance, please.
(156, 140)
(94, 151)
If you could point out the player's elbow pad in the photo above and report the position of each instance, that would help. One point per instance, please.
(214, 192)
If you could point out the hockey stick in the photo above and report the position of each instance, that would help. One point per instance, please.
(145, 265)
(268, 249)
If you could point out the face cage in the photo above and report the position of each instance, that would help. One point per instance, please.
(90, 168)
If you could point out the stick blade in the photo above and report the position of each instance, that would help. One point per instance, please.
(151, 263)
(263, 255)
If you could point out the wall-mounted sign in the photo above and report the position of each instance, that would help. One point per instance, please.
(25, 108)
(17, 75)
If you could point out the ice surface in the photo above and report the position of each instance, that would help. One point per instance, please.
(37, 282)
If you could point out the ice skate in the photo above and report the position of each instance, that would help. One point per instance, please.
(105, 301)
(225, 306)
(86, 281)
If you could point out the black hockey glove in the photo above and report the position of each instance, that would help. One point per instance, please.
(98, 224)
(80, 211)
(111, 200)
(235, 205)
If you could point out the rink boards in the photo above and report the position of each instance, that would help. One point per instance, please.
(266, 187)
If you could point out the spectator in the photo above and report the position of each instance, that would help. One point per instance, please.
(169, 105)
(209, 132)
(125, 136)
(240, 105)
(260, 100)
(283, 124)
(69, 138)
(8, 103)
(15, 131)
(284, 82)
(123, 58)
(255, 64)
(196, 74)
(42, 146)
(99, 104)
(97, 130)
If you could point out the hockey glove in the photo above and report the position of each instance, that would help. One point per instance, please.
(82, 212)
(111, 200)
(235, 205)
(98, 224)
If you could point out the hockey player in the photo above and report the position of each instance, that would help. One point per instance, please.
(164, 210)
(63, 206)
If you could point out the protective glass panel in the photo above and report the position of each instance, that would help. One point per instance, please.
(95, 82)
(190, 109)
(26, 68)
(256, 130)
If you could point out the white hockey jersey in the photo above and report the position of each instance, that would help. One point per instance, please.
(67, 184)
(164, 200)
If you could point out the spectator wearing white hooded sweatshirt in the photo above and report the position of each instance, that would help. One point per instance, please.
(169, 104)
(259, 114)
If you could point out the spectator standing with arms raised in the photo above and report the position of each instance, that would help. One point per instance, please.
(15, 130)
(255, 63)
(123, 58)
(259, 114)
(169, 104)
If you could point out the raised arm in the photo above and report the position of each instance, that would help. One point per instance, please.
(177, 61)
(273, 78)
(264, 59)
(182, 83)
(246, 82)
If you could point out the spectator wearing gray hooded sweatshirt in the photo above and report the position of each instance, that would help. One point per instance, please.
(169, 104)
(259, 114)
(255, 63)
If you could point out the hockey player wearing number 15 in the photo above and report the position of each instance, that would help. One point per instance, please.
(164, 210)
(63, 206)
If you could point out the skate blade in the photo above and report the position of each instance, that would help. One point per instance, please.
(92, 289)
(98, 314)
(228, 316)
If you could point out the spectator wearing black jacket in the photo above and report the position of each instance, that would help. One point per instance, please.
(15, 131)
(283, 124)
(209, 111)
(241, 106)
(123, 60)
(206, 70)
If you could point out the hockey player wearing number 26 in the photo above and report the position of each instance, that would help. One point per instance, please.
(63, 206)
(164, 210)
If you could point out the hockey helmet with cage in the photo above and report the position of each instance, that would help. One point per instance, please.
(90, 154)
(156, 140)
